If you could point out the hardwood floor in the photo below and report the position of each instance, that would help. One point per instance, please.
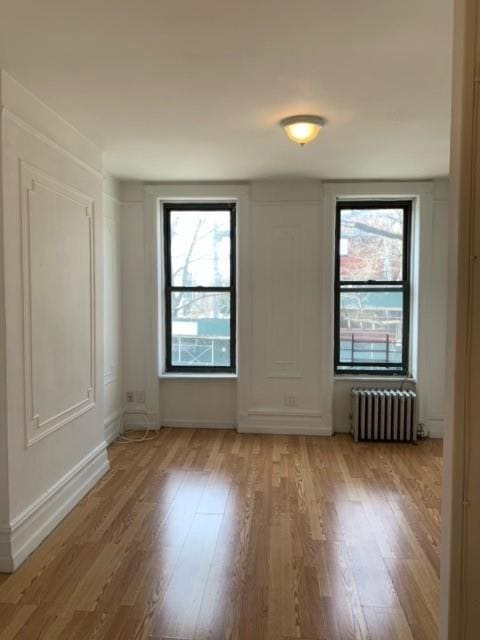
(212, 534)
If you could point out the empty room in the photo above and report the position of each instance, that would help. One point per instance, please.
(239, 312)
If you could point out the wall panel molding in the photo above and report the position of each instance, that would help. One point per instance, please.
(199, 424)
(65, 236)
(115, 200)
(284, 414)
(9, 115)
(284, 326)
(111, 234)
(272, 421)
(284, 349)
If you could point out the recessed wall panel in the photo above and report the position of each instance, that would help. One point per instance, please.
(58, 283)
(285, 303)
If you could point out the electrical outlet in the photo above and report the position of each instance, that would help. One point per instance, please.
(291, 400)
(140, 397)
(130, 396)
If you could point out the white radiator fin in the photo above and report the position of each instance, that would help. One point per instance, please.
(384, 414)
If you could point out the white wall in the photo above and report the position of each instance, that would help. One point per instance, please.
(112, 316)
(210, 402)
(80, 310)
(436, 294)
(285, 253)
(52, 275)
(430, 249)
(286, 351)
(134, 314)
(72, 341)
(199, 403)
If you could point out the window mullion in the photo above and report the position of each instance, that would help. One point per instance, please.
(200, 289)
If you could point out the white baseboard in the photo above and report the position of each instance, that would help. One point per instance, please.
(434, 427)
(199, 424)
(343, 429)
(434, 430)
(6, 564)
(113, 426)
(284, 430)
(27, 530)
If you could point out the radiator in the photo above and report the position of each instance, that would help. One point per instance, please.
(384, 414)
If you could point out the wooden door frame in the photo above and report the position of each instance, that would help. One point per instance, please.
(461, 508)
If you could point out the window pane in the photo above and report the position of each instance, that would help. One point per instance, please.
(200, 248)
(371, 244)
(371, 325)
(200, 329)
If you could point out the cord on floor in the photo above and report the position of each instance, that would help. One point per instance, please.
(145, 437)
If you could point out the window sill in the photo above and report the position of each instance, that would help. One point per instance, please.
(198, 376)
(366, 378)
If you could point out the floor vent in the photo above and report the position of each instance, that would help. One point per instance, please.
(384, 414)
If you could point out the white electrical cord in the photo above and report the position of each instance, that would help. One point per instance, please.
(145, 437)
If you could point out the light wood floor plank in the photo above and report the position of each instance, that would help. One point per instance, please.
(215, 535)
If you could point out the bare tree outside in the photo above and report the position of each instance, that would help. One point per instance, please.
(200, 257)
(371, 250)
(372, 245)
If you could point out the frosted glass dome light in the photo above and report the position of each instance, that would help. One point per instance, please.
(302, 129)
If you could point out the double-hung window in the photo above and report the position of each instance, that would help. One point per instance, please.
(199, 244)
(372, 287)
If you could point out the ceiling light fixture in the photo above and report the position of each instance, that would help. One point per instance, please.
(302, 129)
